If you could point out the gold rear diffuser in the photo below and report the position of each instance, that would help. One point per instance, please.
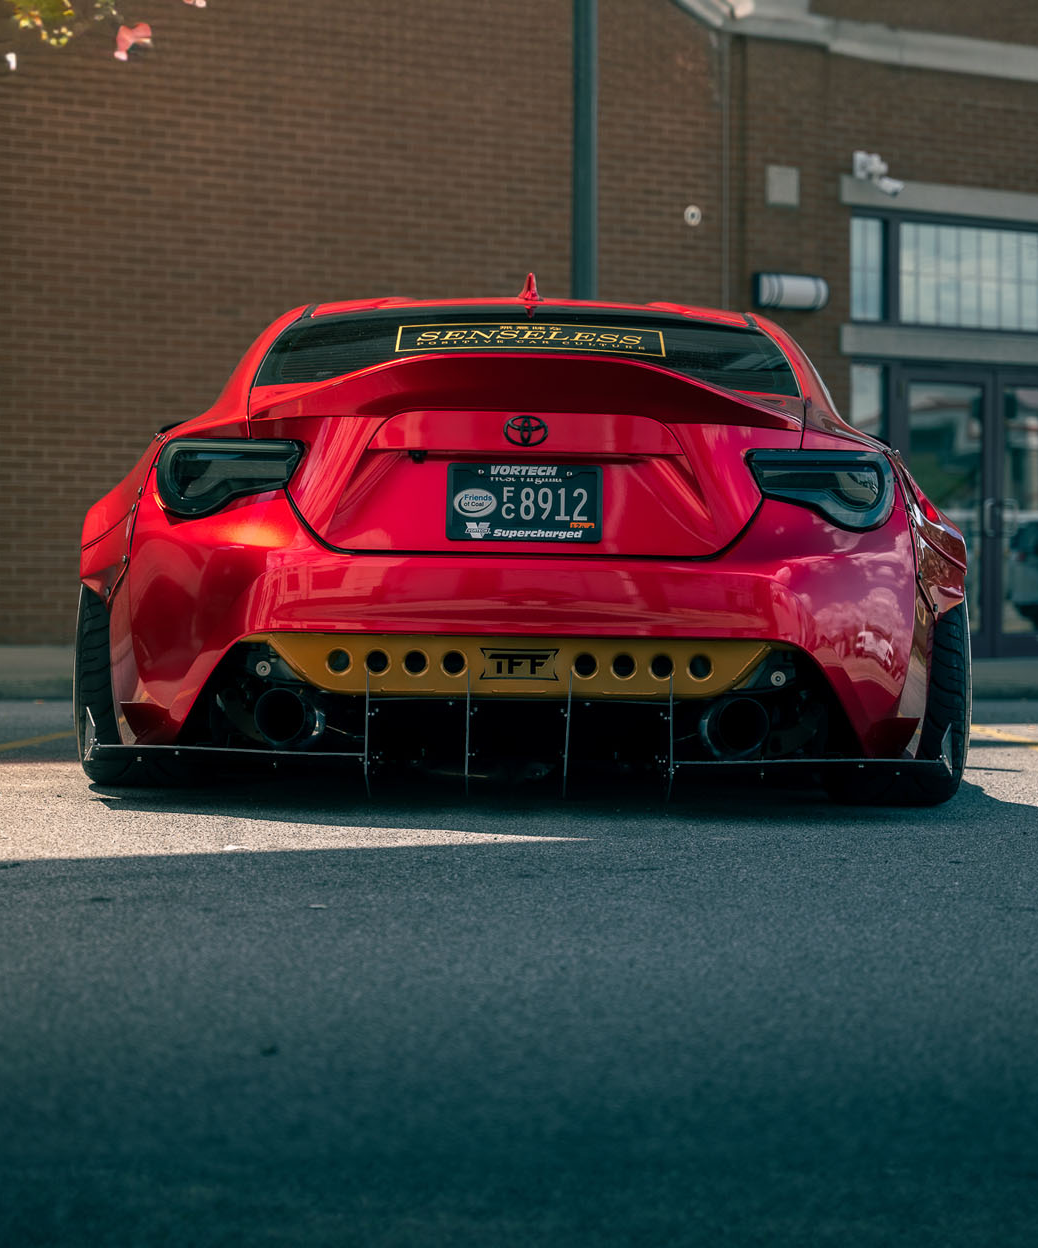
(424, 665)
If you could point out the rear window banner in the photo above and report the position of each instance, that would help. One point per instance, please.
(494, 336)
(733, 357)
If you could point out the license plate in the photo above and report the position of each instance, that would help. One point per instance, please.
(524, 503)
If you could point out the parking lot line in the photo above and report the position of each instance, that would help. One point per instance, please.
(980, 732)
(27, 741)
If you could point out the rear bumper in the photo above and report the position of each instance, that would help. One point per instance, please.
(194, 589)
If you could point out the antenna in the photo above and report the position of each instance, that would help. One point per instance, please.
(529, 294)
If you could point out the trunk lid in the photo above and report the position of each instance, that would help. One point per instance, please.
(616, 456)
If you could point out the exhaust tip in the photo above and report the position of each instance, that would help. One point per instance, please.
(287, 720)
(735, 729)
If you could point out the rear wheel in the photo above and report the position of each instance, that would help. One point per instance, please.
(92, 700)
(946, 724)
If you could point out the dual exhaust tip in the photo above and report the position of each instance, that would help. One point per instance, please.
(735, 729)
(288, 720)
(731, 729)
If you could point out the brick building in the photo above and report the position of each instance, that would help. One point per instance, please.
(160, 212)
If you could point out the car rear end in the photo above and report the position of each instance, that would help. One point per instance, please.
(527, 537)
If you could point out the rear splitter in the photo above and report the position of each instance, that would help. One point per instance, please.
(806, 772)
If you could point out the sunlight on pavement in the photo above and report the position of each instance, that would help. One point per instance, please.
(49, 810)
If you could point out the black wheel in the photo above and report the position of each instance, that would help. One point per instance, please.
(947, 718)
(92, 688)
(92, 691)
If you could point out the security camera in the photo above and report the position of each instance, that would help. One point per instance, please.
(868, 165)
(871, 167)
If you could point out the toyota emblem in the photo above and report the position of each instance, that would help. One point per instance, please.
(526, 430)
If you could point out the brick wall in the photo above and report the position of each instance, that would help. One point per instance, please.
(799, 106)
(159, 213)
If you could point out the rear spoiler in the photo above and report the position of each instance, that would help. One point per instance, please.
(525, 382)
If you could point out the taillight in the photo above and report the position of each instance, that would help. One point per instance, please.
(853, 489)
(197, 476)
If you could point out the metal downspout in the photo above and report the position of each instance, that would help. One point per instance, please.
(726, 168)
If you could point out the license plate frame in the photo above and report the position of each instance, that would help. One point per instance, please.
(506, 502)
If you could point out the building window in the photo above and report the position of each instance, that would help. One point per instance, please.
(944, 274)
(868, 399)
(968, 277)
(867, 269)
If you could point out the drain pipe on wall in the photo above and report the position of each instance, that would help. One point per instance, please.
(584, 232)
(726, 167)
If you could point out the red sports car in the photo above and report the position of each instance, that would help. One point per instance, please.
(525, 535)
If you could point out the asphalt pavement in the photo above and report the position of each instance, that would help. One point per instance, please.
(278, 1013)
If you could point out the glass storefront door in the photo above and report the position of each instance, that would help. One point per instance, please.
(1019, 510)
(944, 449)
(970, 438)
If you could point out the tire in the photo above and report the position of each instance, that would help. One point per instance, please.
(948, 707)
(92, 690)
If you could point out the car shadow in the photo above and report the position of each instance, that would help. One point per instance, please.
(540, 806)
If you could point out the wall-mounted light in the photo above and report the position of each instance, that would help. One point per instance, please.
(790, 290)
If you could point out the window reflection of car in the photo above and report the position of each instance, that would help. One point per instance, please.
(1022, 571)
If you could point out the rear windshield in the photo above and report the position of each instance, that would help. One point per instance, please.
(722, 355)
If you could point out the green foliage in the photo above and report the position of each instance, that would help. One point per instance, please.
(58, 21)
(51, 18)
